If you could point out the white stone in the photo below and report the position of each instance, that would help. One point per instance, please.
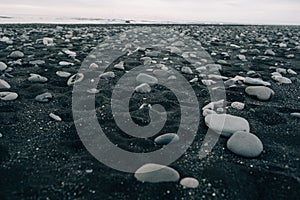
(16, 54)
(281, 70)
(290, 71)
(282, 79)
(48, 41)
(63, 74)
(8, 96)
(238, 105)
(245, 144)
(120, 66)
(194, 80)
(226, 124)
(155, 173)
(69, 53)
(64, 63)
(256, 81)
(186, 70)
(261, 92)
(36, 78)
(107, 75)
(4, 84)
(3, 66)
(143, 88)
(55, 117)
(189, 182)
(76, 78)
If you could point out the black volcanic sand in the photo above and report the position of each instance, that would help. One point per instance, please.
(44, 159)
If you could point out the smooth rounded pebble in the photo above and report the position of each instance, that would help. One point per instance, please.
(270, 52)
(238, 105)
(155, 173)
(189, 182)
(4, 84)
(120, 66)
(3, 66)
(226, 124)
(290, 71)
(245, 144)
(143, 88)
(186, 70)
(107, 75)
(166, 139)
(55, 117)
(256, 81)
(65, 63)
(145, 78)
(63, 74)
(260, 92)
(36, 78)
(16, 54)
(44, 98)
(282, 79)
(76, 78)
(8, 96)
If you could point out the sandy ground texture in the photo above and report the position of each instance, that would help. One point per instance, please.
(41, 158)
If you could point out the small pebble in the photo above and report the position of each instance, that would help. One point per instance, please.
(76, 78)
(143, 88)
(44, 98)
(4, 84)
(166, 139)
(238, 105)
(155, 173)
(189, 182)
(3, 66)
(55, 117)
(8, 96)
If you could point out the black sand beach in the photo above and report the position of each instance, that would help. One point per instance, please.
(41, 158)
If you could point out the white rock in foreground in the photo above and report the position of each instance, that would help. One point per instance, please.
(155, 173)
(226, 124)
(245, 144)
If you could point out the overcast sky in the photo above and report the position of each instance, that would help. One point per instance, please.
(232, 11)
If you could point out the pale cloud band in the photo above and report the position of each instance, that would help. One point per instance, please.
(230, 11)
